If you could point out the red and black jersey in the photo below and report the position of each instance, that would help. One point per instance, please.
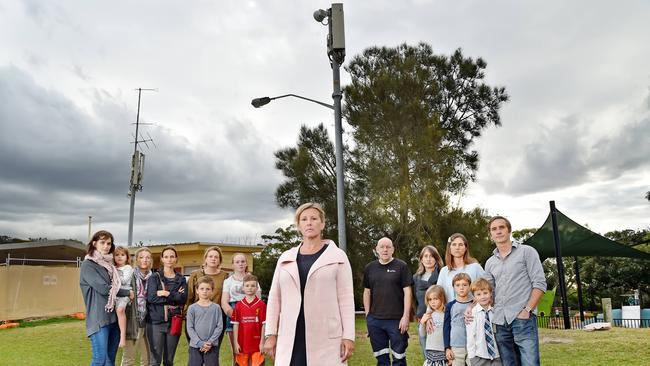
(250, 317)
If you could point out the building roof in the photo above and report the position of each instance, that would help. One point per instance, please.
(60, 249)
(202, 245)
(42, 251)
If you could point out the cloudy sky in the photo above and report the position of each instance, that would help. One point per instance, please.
(576, 129)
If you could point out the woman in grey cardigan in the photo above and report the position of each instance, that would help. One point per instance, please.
(100, 284)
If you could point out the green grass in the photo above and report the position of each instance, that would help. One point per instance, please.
(39, 322)
(64, 343)
(618, 346)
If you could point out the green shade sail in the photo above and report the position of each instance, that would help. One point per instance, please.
(578, 241)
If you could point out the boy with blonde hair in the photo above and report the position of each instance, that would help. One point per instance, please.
(454, 332)
(481, 342)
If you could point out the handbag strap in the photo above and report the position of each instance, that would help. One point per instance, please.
(161, 281)
(165, 307)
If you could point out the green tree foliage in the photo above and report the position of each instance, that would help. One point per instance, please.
(613, 277)
(265, 261)
(523, 234)
(473, 224)
(413, 118)
(419, 113)
(310, 172)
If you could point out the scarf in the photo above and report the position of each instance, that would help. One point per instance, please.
(106, 261)
(141, 287)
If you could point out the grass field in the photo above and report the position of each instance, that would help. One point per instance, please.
(64, 343)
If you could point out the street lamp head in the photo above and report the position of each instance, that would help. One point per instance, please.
(258, 102)
(320, 15)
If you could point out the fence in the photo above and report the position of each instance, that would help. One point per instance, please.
(63, 262)
(557, 322)
(39, 291)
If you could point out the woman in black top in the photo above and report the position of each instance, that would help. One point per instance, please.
(166, 296)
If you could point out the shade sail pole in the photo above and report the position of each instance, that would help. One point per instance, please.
(560, 267)
(577, 270)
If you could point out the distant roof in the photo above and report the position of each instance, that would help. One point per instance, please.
(207, 243)
(204, 244)
(60, 249)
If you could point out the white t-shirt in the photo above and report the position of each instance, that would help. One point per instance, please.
(474, 270)
(235, 288)
(126, 273)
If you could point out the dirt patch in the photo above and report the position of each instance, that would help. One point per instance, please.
(555, 340)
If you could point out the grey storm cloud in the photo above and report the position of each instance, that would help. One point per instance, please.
(627, 150)
(66, 104)
(563, 156)
(61, 161)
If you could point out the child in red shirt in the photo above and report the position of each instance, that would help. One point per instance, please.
(248, 320)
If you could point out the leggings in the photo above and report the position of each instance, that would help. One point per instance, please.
(162, 345)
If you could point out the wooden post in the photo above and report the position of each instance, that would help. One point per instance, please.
(607, 309)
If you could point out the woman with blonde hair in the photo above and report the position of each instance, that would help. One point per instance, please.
(430, 264)
(310, 311)
(136, 337)
(458, 260)
(212, 258)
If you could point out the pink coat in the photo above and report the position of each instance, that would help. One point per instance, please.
(328, 302)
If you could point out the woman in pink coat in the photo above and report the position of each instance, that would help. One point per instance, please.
(310, 311)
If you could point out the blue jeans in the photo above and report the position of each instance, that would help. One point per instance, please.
(383, 331)
(518, 342)
(105, 343)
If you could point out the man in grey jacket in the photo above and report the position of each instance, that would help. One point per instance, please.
(517, 277)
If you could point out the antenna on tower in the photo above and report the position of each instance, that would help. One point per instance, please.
(137, 163)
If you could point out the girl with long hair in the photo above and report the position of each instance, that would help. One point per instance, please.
(430, 264)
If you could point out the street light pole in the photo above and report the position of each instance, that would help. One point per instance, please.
(340, 191)
(258, 102)
(338, 133)
(336, 54)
